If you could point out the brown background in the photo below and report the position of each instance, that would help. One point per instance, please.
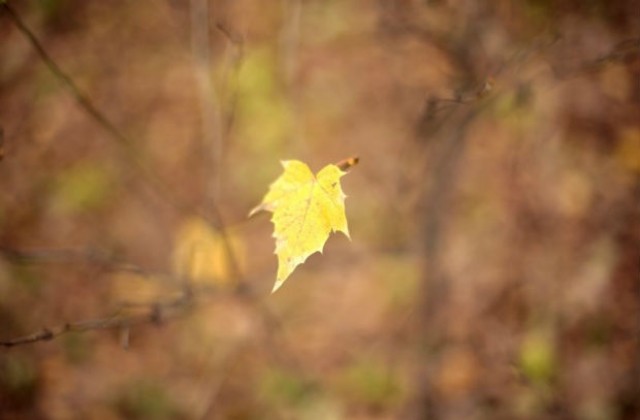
(493, 271)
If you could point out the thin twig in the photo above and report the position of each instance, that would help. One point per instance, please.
(84, 101)
(70, 255)
(210, 103)
(213, 214)
(124, 142)
(618, 53)
(236, 40)
(155, 314)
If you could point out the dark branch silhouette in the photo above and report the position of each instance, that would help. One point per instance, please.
(97, 257)
(155, 313)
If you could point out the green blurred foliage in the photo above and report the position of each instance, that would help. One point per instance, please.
(19, 380)
(264, 118)
(538, 358)
(18, 373)
(51, 8)
(146, 399)
(26, 278)
(287, 395)
(81, 188)
(371, 383)
(400, 276)
(279, 388)
(78, 348)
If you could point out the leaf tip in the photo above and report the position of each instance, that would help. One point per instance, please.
(346, 233)
(277, 285)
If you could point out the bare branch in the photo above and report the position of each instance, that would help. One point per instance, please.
(154, 314)
(620, 52)
(237, 41)
(124, 142)
(233, 37)
(71, 255)
(83, 100)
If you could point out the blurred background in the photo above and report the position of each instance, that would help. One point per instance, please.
(493, 271)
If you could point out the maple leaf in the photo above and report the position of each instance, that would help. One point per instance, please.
(306, 209)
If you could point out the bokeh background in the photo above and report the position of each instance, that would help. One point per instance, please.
(493, 271)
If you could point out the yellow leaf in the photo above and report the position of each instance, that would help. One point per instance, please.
(138, 289)
(306, 209)
(200, 253)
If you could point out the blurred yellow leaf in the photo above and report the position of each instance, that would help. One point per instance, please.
(628, 151)
(134, 288)
(306, 209)
(200, 253)
(537, 357)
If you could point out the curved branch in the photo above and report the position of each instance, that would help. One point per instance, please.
(123, 141)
